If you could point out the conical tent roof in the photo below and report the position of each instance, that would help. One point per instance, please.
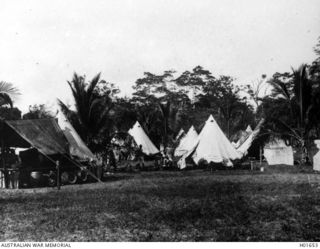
(213, 145)
(141, 138)
(249, 129)
(187, 142)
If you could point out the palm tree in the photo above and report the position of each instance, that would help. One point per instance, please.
(297, 92)
(7, 93)
(91, 117)
(302, 93)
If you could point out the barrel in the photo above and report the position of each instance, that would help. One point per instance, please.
(36, 178)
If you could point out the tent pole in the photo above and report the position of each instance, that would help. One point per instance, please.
(58, 174)
(4, 164)
(260, 150)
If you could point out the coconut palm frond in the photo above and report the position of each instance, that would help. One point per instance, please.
(93, 83)
(64, 109)
(7, 93)
(279, 88)
(5, 99)
(303, 92)
(8, 88)
(92, 114)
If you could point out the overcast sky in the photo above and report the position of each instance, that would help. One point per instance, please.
(43, 42)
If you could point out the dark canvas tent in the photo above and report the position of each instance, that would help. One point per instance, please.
(42, 134)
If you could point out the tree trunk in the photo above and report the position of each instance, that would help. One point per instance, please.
(165, 133)
(228, 128)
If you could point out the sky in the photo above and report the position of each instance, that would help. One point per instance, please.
(44, 42)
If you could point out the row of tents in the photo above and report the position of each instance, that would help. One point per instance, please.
(211, 145)
(51, 137)
(56, 138)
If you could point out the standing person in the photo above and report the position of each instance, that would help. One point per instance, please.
(16, 173)
(169, 153)
(163, 159)
(112, 159)
(99, 163)
(140, 156)
(13, 165)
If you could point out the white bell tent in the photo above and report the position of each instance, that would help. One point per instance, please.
(212, 146)
(187, 142)
(141, 138)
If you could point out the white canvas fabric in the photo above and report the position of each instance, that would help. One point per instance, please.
(244, 147)
(141, 138)
(181, 134)
(187, 142)
(76, 145)
(243, 137)
(212, 145)
(249, 129)
(237, 144)
(316, 156)
(277, 152)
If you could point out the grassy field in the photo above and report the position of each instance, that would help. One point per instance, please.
(276, 205)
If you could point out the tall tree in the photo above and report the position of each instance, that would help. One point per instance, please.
(255, 91)
(91, 117)
(124, 114)
(291, 110)
(159, 101)
(222, 95)
(9, 113)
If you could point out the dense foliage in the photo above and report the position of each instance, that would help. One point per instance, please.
(292, 109)
(166, 102)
